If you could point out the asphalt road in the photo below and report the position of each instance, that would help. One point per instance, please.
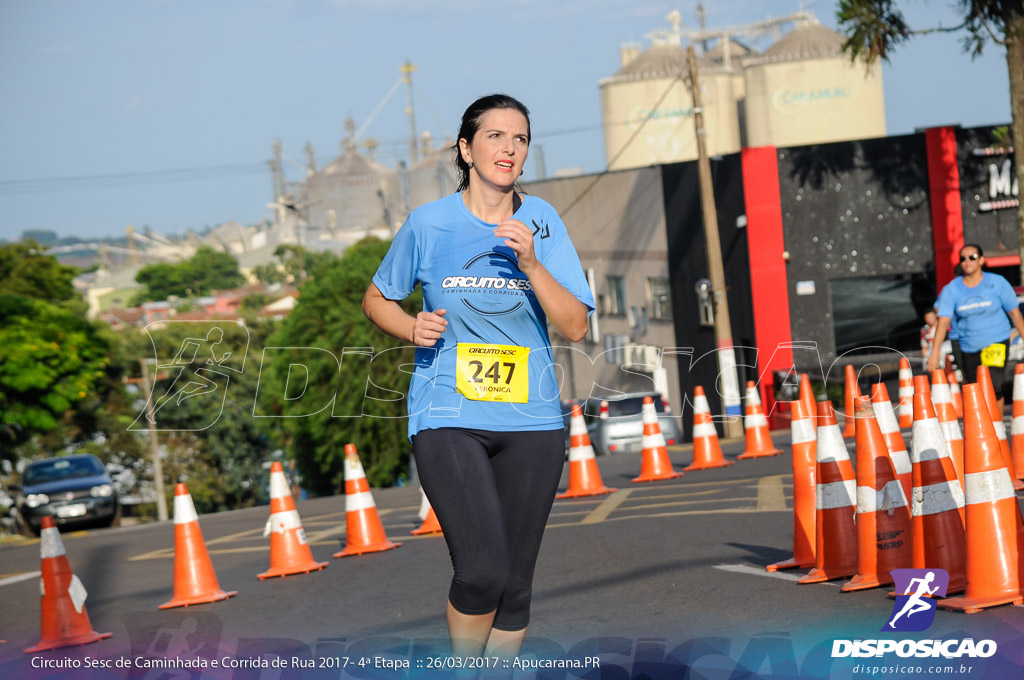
(651, 578)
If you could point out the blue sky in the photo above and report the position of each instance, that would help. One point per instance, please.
(130, 88)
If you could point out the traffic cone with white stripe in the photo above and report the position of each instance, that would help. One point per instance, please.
(942, 399)
(655, 464)
(195, 581)
(897, 448)
(758, 439)
(1017, 424)
(985, 380)
(707, 452)
(937, 503)
(851, 392)
(883, 512)
(905, 410)
(807, 397)
(364, 531)
(430, 524)
(835, 549)
(953, 379)
(584, 477)
(804, 440)
(64, 621)
(995, 536)
(289, 550)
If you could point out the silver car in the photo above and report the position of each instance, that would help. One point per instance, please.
(616, 424)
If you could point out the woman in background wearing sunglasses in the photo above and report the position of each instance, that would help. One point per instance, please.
(980, 302)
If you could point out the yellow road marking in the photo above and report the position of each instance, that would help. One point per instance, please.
(724, 511)
(638, 500)
(601, 512)
(770, 497)
(770, 494)
(635, 508)
(687, 486)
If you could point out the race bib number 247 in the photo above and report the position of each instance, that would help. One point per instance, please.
(493, 372)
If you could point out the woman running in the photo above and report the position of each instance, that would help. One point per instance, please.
(495, 267)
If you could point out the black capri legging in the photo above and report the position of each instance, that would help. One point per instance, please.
(971, 362)
(491, 492)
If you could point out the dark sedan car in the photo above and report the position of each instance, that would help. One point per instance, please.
(76, 490)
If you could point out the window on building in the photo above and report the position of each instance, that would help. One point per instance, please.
(880, 313)
(660, 298)
(616, 296)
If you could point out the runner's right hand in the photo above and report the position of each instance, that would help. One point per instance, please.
(428, 327)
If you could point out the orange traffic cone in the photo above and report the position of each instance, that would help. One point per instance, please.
(655, 465)
(755, 425)
(985, 380)
(937, 504)
(65, 623)
(995, 536)
(883, 512)
(195, 581)
(289, 550)
(707, 452)
(364, 531)
(430, 524)
(584, 477)
(852, 391)
(897, 448)
(804, 440)
(1017, 424)
(807, 397)
(905, 410)
(835, 551)
(942, 399)
(953, 379)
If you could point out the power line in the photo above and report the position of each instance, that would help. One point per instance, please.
(195, 174)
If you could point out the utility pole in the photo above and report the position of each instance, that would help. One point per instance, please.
(276, 178)
(730, 388)
(154, 447)
(407, 69)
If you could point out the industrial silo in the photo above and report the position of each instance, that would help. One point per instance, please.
(804, 90)
(353, 192)
(729, 54)
(433, 176)
(647, 109)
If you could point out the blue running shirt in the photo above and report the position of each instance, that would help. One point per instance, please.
(466, 270)
(979, 312)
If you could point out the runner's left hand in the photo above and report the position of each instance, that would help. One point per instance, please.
(519, 238)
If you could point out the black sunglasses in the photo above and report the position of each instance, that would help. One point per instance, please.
(972, 257)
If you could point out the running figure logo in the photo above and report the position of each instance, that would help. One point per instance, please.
(198, 372)
(914, 609)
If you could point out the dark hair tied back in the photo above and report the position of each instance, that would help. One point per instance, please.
(471, 123)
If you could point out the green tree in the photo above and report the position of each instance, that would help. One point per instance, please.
(298, 261)
(52, 359)
(204, 272)
(366, 394)
(874, 28)
(26, 269)
(221, 462)
(268, 274)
